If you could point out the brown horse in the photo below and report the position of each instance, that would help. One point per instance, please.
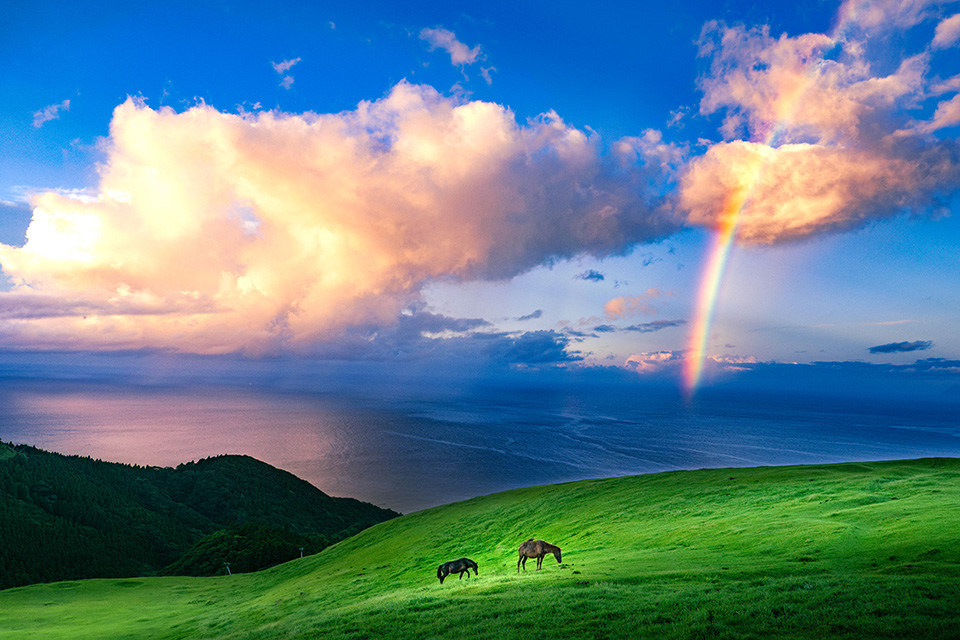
(536, 549)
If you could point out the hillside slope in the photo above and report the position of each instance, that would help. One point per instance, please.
(69, 517)
(847, 551)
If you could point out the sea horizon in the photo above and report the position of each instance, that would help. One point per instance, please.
(411, 450)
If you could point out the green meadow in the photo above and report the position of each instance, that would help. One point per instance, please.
(866, 550)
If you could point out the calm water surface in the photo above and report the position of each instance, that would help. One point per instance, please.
(409, 454)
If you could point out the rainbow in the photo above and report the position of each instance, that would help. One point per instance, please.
(715, 265)
(736, 201)
(709, 287)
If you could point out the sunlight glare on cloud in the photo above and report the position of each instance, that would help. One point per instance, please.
(261, 232)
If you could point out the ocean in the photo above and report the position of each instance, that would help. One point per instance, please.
(413, 451)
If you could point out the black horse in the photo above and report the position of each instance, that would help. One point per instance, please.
(536, 549)
(461, 566)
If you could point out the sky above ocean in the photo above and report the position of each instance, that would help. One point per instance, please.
(672, 195)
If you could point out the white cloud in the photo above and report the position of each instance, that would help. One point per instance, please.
(485, 72)
(286, 80)
(946, 115)
(50, 112)
(286, 65)
(947, 33)
(460, 54)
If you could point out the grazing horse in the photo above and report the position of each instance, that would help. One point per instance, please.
(461, 566)
(536, 549)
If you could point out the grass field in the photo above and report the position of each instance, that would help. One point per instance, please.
(847, 551)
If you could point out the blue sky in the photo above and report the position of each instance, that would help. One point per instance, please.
(479, 188)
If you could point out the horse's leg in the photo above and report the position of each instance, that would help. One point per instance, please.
(539, 562)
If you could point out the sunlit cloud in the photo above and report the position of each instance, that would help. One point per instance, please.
(460, 54)
(262, 232)
(50, 112)
(815, 140)
(629, 306)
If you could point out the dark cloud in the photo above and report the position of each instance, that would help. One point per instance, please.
(592, 275)
(534, 347)
(532, 316)
(646, 327)
(656, 325)
(932, 364)
(423, 322)
(927, 378)
(902, 347)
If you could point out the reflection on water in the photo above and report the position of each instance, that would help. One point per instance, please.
(409, 454)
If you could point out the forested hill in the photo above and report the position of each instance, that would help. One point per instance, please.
(70, 517)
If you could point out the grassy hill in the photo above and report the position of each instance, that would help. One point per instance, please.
(69, 517)
(842, 551)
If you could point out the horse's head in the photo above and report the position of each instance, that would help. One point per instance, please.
(557, 554)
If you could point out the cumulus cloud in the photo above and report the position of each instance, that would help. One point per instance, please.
(657, 362)
(815, 138)
(50, 112)
(271, 231)
(902, 347)
(460, 54)
(671, 363)
(798, 190)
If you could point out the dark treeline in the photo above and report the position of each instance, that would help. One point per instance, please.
(70, 517)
